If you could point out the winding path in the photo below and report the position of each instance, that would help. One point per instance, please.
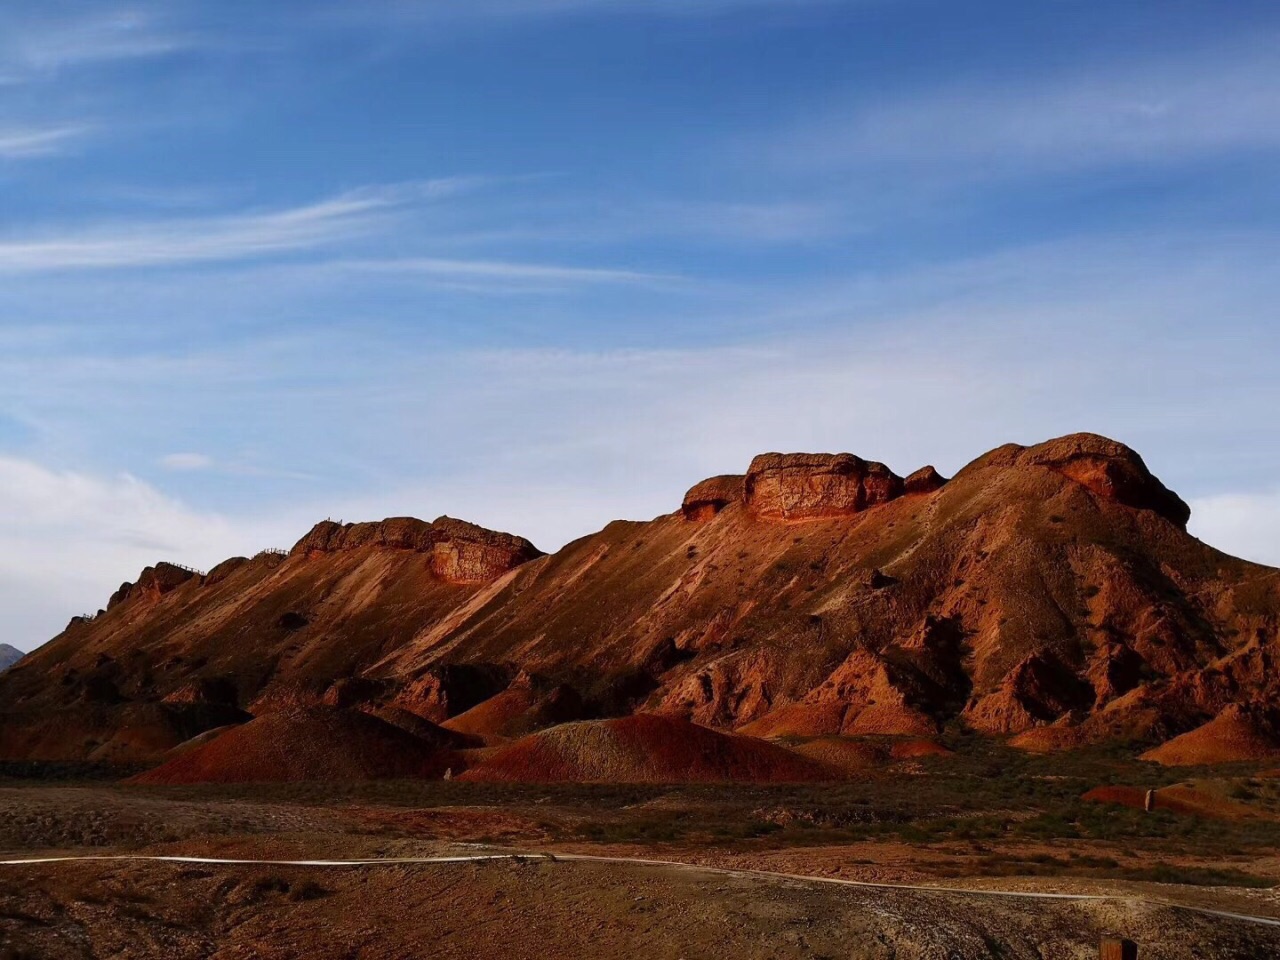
(673, 864)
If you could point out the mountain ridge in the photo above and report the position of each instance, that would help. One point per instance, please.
(1047, 593)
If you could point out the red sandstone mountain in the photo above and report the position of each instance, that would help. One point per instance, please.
(1048, 592)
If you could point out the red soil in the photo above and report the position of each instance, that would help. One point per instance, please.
(799, 720)
(1049, 739)
(644, 748)
(843, 753)
(421, 728)
(1233, 736)
(911, 749)
(312, 744)
(1182, 799)
(495, 717)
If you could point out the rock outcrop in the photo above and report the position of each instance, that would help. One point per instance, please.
(1108, 469)
(924, 480)
(460, 552)
(809, 486)
(153, 583)
(708, 498)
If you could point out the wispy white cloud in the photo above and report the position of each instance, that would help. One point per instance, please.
(186, 461)
(500, 271)
(22, 143)
(35, 42)
(217, 237)
(68, 538)
(367, 213)
(1150, 111)
(221, 238)
(434, 11)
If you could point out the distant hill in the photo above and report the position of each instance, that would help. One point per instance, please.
(1049, 593)
(9, 656)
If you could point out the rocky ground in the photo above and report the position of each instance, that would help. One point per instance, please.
(956, 824)
(539, 909)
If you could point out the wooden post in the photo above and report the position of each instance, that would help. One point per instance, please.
(1117, 948)
(1149, 801)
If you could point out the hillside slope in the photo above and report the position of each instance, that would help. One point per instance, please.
(179, 652)
(1050, 585)
(1050, 592)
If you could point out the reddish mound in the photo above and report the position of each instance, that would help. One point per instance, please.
(911, 749)
(422, 729)
(493, 718)
(522, 708)
(1182, 799)
(298, 745)
(1132, 797)
(198, 741)
(799, 720)
(1235, 735)
(1051, 739)
(644, 749)
(842, 753)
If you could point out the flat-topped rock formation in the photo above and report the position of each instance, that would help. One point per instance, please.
(460, 552)
(808, 486)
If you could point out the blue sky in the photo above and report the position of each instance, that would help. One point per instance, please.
(544, 263)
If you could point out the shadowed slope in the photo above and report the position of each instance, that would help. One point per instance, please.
(1235, 735)
(297, 745)
(644, 749)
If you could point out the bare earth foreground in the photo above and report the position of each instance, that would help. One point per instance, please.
(733, 899)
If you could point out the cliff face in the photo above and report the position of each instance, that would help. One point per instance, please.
(1049, 592)
(809, 486)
